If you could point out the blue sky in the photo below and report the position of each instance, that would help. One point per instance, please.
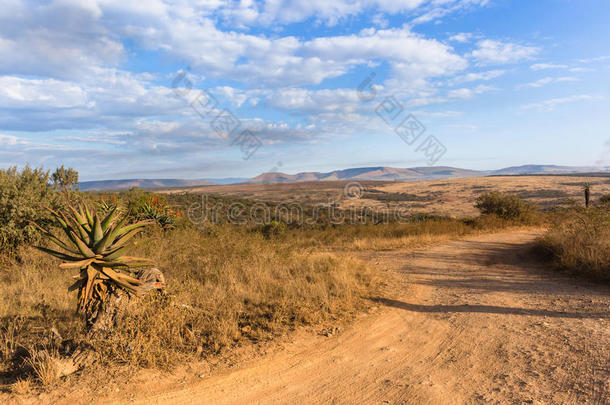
(90, 84)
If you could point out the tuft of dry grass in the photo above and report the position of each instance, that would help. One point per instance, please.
(579, 241)
(9, 335)
(21, 386)
(44, 366)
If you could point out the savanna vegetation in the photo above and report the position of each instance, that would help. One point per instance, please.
(230, 280)
(578, 239)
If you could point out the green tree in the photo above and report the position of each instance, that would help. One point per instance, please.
(65, 179)
(505, 206)
(22, 194)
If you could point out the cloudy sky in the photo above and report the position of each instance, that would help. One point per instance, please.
(219, 88)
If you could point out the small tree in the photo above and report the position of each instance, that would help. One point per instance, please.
(505, 206)
(65, 179)
(21, 193)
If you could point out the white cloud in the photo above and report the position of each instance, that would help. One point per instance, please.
(440, 8)
(595, 59)
(490, 52)
(461, 37)
(543, 66)
(40, 94)
(478, 76)
(551, 104)
(110, 98)
(291, 11)
(580, 70)
(59, 39)
(547, 80)
(9, 140)
(466, 93)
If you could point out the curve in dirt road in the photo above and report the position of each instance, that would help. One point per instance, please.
(470, 321)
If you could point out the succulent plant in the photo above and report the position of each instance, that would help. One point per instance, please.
(97, 246)
(161, 216)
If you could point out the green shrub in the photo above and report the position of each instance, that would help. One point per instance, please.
(604, 199)
(273, 229)
(509, 207)
(22, 194)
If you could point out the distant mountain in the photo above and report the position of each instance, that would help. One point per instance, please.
(139, 183)
(548, 169)
(371, 173)
(360, 173)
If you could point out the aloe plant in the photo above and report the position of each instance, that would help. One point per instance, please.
(97, 246)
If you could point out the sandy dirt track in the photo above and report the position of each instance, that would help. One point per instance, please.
(470, 321)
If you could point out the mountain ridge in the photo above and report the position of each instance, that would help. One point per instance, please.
(383, 173)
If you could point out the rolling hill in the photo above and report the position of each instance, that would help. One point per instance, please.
(361, 173)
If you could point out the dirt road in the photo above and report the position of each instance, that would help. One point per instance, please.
(470, 321)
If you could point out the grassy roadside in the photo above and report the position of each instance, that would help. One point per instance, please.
(578, 242)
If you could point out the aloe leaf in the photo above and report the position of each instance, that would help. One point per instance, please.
(123, 281)
(109, 218)
(78, 216)
(61, 244)
(128, 228)
(76, 265)
(81, 231)
(125, 238)
(57, 254)
(60, 218)
(116, 253)
(91, 273)
(88, 215)
(54, 239)
(134, 261)
(83, 215)
(82, 247)
(110, 235)
(97, 233)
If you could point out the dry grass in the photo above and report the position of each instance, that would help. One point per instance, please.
(44, 366)
(451, 197)
(579, 241)
(227, 287)
(456, 197)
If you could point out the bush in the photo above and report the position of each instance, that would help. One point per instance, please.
(505, 206)
(605, 199)
(273, 229)
(579, 241)
(22, 194)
